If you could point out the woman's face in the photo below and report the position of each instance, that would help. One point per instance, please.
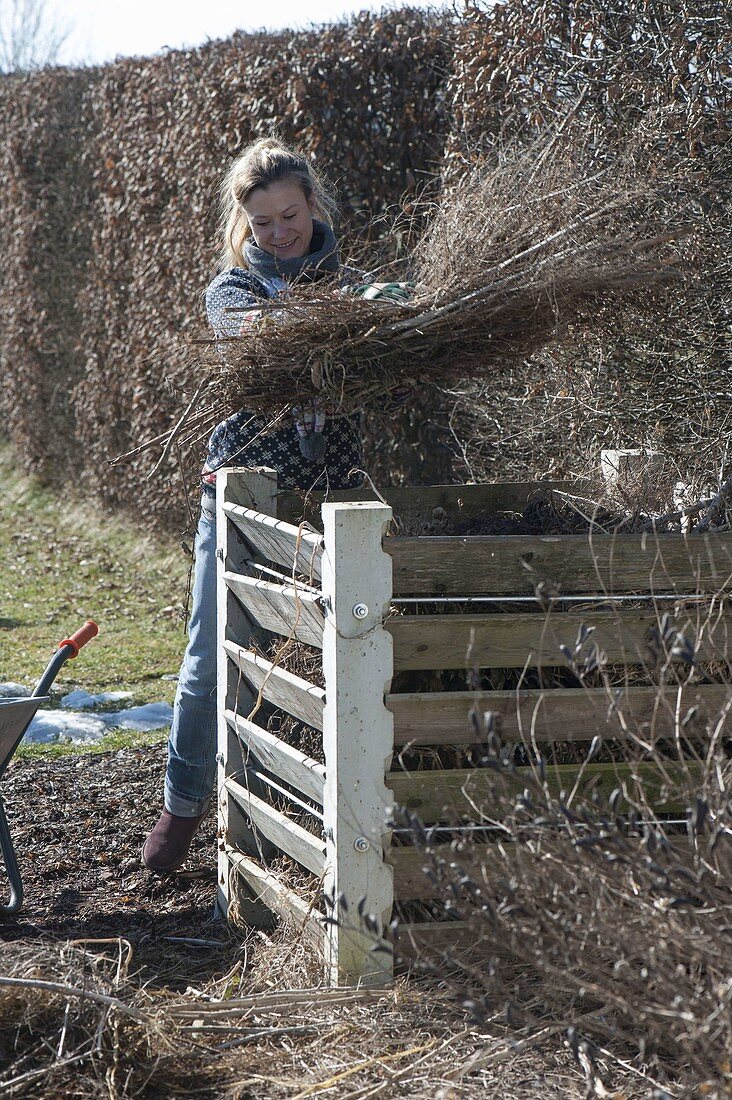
(281, 219)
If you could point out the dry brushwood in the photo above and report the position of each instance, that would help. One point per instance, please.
(511, 255)
(624, 924)
(621, 917)
(83, 1022)
(299, 1040)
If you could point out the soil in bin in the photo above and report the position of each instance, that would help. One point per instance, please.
(543, 515)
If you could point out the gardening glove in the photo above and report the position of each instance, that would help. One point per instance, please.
(309, 422)
(398, 293)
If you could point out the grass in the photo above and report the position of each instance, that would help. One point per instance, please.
(62, 562)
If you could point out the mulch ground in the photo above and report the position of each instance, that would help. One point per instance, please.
(78, 824)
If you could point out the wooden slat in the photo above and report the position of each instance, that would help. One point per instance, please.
(300, 771)
(290, 693)
(480, 861)
(281, 609)
(279, 829)
(410, 881)
(256, 489)
(562, 714)
(278, 541)
(512, 641)
(270, 890)
(513, 565)
(419, 502)
(412, 940)
(462, 794)
(409, 865)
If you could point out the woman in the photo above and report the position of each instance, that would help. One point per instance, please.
(277, 228)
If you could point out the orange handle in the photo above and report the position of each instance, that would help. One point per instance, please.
(83, 635)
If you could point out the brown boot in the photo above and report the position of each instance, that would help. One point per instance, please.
(167, 845)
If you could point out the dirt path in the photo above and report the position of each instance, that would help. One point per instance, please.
(78, 824)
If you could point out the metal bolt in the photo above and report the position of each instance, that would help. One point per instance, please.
(219, 758)
(361, 844)
(360, 611)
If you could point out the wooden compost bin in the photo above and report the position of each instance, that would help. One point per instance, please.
(347, 591)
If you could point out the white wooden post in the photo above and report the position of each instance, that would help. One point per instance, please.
(639, 476)
(358, 736)
(253, 488)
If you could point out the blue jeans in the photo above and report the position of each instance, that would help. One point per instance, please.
(191, 770)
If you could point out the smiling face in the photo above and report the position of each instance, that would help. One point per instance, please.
(281, 219)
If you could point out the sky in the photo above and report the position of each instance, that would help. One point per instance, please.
(101, 31)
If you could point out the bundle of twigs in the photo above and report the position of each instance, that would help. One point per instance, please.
(510, 257)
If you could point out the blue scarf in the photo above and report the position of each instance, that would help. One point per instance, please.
(322, 259)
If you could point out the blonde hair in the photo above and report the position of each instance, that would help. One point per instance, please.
(263, 163)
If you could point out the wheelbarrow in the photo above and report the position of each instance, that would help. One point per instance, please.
(15, 717)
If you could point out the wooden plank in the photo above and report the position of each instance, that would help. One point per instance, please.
(300, 771)
(419, 502)
(561, 714)
(291, 611)
(409, 864)
(462, 794)
(357, 735)
(269, 889)
(516, 564)
(280, 542)
(479, 860)
(516, 640)
(414, 939)
(257, 488)
(290, 837)
(290, 693)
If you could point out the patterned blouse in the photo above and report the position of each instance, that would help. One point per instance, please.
(245, 439)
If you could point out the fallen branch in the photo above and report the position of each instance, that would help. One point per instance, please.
(480, 1060)
(377, 1060)
(82, 994)
(710, 505)
(716, 505)
(282, 1001)
(8, 1088)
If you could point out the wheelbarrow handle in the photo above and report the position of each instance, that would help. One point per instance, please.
(83, 635)
(67, 649)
